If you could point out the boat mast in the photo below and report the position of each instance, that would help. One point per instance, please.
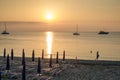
(5, 27)
(77, 28)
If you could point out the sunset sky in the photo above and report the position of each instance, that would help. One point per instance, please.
(60, 15)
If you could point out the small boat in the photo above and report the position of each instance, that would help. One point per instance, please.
(76, 33)
(103, 32)
(5, 31)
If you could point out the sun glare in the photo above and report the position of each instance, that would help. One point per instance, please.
(49, 16)
(49, 37)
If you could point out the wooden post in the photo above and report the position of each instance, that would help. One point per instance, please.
(24, 71)
(50, 62)
(8, 63)
(23, 57)
(4, 53)
(57, 58)
(42, 54)
(39, 66)
(12, 54)
(33, 56)
(64, 55)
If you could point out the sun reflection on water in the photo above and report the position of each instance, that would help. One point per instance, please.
(49, 40)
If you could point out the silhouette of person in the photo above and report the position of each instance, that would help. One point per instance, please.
(97, 55)
(90, 51)
(76, 62)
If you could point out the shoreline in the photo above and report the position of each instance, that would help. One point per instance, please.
(80, 61)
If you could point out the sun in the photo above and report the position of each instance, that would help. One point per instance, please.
(49, 16)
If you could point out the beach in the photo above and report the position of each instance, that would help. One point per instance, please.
(70, 69)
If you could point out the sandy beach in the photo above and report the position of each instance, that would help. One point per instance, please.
(68, 70)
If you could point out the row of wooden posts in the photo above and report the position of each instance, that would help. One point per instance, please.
(33, 59)
(33, 54)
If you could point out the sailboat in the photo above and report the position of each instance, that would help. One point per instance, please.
(76, 33)
(5, 31)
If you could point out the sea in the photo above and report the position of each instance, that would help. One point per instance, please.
(83, 46)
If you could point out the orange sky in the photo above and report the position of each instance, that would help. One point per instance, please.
(90, 15)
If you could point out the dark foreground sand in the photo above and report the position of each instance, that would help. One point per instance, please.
(68, 70)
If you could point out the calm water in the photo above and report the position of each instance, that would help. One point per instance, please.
(80, 46)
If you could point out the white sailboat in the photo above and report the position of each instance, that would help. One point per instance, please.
(76, 33)
(5, 31)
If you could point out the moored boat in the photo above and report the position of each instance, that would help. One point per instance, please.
(5, 31)
(76, 33)
(103, 32)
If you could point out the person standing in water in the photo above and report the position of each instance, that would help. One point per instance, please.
(97, 55)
